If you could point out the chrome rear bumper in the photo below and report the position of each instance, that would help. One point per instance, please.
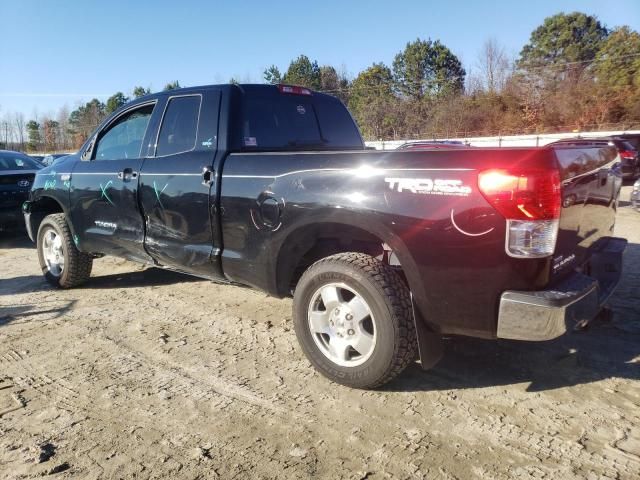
(574, 302)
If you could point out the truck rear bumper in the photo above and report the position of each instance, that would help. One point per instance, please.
(574, 302)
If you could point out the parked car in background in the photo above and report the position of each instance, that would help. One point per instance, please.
(38, 158)
(51, 159)
(635, 196)
(632, 138)
(629, 156)
(17, 172)
(431, 145)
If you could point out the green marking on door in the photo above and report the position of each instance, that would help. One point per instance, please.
(105, 195)
(155, 189)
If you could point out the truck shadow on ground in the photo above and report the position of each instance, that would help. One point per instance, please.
(141, 278)
(604, 350)
(34, 312)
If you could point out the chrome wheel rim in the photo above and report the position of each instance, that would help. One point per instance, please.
(52, 252)
(342, 325)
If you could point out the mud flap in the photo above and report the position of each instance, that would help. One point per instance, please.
(430, 345)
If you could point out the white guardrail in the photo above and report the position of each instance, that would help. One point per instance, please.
(504, 141)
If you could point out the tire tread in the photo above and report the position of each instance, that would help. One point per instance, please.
(397, 294)
(78, 264)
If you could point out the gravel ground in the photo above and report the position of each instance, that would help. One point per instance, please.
(149, 374)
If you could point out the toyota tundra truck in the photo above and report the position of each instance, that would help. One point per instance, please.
(384, 252)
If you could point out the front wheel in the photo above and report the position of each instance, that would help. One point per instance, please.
(63, 265)
(353, 319)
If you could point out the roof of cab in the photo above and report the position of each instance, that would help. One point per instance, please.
(244, 88)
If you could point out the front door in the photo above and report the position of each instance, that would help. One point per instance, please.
(176, 182)
(103, 188)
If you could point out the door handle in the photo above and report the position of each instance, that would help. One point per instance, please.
(127, 174)
(207, 176)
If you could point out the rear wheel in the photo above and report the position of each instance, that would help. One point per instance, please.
(63, 265)
(353, 319)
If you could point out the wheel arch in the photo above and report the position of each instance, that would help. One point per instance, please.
(39, 208)
(308, 243)
(314, 240)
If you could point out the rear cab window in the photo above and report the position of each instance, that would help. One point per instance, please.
(271, 120)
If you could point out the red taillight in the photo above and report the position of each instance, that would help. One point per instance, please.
(628, 154)
(294, 90)
(523, 195)
(530, 201)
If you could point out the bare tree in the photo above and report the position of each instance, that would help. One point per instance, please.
(495, 65)
(64, 140)
(18, 121)
(6, 132)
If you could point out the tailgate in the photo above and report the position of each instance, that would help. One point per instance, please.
(590, 188)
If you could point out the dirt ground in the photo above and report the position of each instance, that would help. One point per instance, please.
(151, 374)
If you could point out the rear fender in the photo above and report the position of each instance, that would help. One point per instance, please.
(429, 340)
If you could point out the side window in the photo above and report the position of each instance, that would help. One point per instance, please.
(124, 138)
(179, 126)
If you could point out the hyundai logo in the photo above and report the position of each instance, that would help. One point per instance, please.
(24, 183)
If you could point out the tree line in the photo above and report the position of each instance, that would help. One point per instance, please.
(574, 73)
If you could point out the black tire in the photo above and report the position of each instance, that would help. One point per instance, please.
(389, 302)
(77, 265)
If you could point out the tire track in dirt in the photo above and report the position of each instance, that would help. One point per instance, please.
(152, 374)
(568, 455)
(243, 355)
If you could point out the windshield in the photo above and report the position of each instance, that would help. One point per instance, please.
(16, 161)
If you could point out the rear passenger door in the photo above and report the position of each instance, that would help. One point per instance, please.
(176, 181)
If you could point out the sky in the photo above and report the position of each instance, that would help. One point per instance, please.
(55, 53)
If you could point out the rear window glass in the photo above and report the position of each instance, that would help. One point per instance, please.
(338, 127)
(275, 124)
(17, 162)
(296, 122)
(179, 126)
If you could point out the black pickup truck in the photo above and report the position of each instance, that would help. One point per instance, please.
(384, 253)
